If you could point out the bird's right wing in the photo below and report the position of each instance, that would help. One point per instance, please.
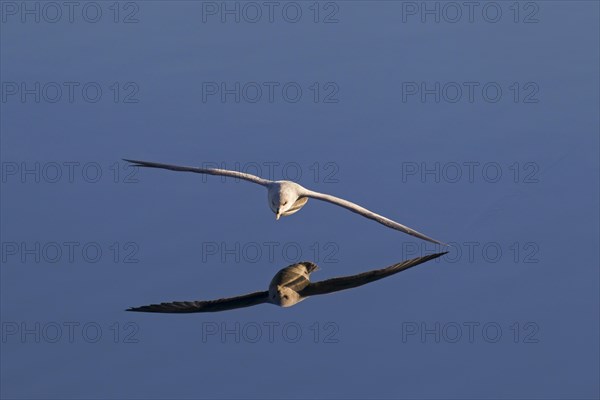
(352, 281)
(229, 303)
(207, 171)
(355, 208)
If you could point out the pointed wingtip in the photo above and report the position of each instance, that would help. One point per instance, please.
(141, 164)
(136, 309)
(442, 244)
(425, 237)
(435, 255)
(435, 241)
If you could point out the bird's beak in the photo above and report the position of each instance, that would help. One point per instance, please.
(277, 216)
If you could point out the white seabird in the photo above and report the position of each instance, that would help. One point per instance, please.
(287, 197)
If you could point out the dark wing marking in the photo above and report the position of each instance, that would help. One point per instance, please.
(355, 208)
(207, 171)
(349, 282)
(229, 303)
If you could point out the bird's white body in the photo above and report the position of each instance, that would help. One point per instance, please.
(285, 197)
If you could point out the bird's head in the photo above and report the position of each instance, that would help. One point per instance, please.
(310, 267)
(282, 200)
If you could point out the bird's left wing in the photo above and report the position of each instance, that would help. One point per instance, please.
(352, 281)
(229, 303)
(355, 208)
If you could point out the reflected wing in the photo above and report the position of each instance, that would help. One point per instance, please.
(207, 171)
(349, 282)
(230, 303)
(355, 208)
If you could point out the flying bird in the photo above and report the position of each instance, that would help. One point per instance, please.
(287, 197)
(288, 287)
